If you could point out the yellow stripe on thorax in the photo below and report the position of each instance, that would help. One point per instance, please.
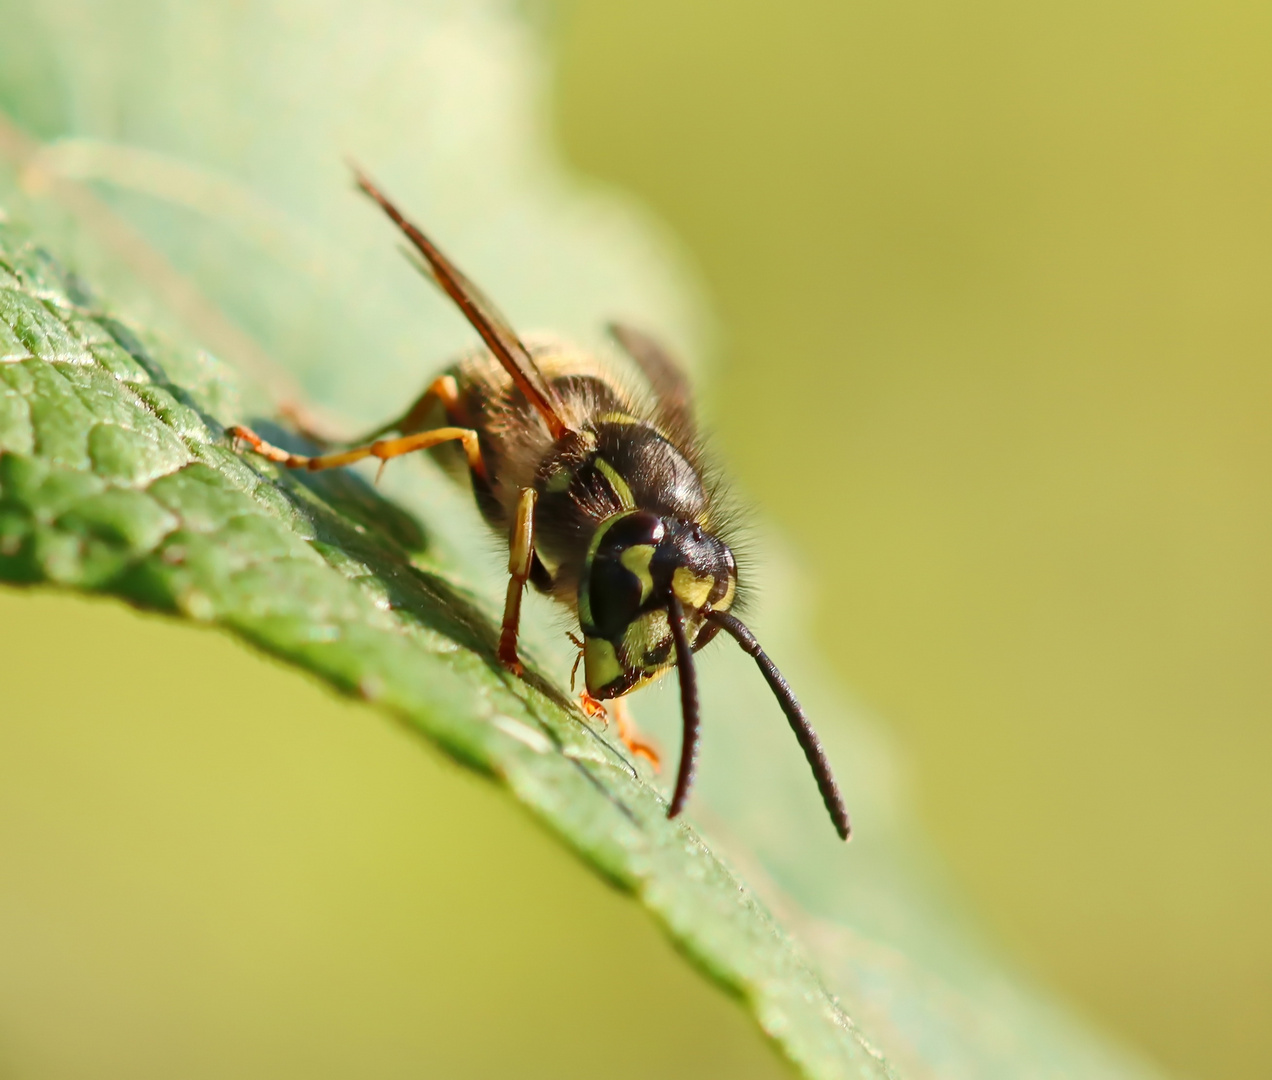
(621, 491)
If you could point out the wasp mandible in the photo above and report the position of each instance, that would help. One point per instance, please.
(599, 489)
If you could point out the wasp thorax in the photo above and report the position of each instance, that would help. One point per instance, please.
(637, 562)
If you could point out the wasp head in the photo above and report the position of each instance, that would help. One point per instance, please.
(637, 563)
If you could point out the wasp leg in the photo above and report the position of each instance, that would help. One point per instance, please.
(631, 736)
(520, 556)
(592, 708)
(444, 391)
(384, 449)
(574, 671)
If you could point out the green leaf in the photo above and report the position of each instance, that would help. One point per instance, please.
(125, 483)
(222, 220)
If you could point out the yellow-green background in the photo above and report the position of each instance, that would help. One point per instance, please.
(991, 285)
(214, 868)
(994, 283)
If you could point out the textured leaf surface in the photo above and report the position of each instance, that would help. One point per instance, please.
(117, 477)
(209, 139)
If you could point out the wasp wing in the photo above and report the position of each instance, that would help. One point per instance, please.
(665, 376)
(485, 318)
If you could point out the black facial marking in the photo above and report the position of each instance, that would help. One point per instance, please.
(640, 527)
(658, 655)
(687, 544)
(615, 593)
(615, 596)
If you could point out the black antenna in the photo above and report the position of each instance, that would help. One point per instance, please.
(804, 732)
(688, 706)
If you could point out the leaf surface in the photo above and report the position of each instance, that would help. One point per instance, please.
(116, 477)
(205, 196)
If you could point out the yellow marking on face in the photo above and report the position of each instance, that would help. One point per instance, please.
(600, 664)
(690, 589)
(636, 558)
(619, 485)
(647, 676)
(643, 633)
(616, 418)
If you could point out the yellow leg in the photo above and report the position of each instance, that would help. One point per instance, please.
(520, 556)
(384, 449)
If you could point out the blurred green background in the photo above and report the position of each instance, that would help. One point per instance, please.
(993, 285)
(992, 343)
(212, 867)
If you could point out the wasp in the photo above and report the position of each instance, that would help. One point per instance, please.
(599, 488)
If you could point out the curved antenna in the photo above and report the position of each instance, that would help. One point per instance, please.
(804, 732)
(688, 706)
(480, 312)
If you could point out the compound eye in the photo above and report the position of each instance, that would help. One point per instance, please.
(619, 581)
(615, 595)
(637, 528)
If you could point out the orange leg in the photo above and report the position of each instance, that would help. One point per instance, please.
(384, 449)
(631, 737)
(595, 709)
(443, 390)
(520, 556)
(592, 708)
